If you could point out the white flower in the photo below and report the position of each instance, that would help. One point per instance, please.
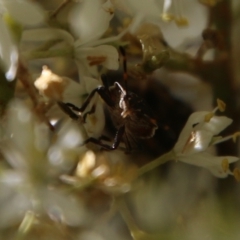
(89, 20)
(88, 58)
(169, 15)
(88, 55)
(92, 20)
(107, 170)
(55, 88)
(200, 132)
(26, 13)
(29, 184)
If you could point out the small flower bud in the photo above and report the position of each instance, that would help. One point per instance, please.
(221, 105)
(181, 22)
(235, 136)
(236, 174)
(225, 165)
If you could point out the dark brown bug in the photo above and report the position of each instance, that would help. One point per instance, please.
(130, 114)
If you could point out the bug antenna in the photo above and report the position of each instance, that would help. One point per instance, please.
(125, 75)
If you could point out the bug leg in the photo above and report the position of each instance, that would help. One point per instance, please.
(116, 142)
(105, 138)
(75, 108)
(102, 91)
(87, 101)
(65, 108)
(118, 137)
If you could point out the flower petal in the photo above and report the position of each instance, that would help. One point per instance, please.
(8, 52)
(91, 83)
(12, 178)
(194, 118)
(25, 12)
(217, 171)
(64, 208)
(95, 122)
(14, 207)
(148, 8)
(216, 124)
(46, 34)
(213, 127)
(197, 142)
(195, 13)
(141, 10)
(206, 160)
(102, 55)
(20, 150)
(90, 19)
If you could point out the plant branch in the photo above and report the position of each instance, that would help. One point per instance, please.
(156, 163)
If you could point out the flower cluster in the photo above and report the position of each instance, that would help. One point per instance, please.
(201, 132)
(51, 175)
(29, 185)
(107, 171)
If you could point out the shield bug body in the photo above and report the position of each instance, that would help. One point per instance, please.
(130, 115)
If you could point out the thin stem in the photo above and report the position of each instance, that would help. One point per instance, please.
(157, 162)
(101, 41)
(62, 52)
(60, 8)
(135, 231)
(126, 215)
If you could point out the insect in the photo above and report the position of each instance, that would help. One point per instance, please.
(130, 114)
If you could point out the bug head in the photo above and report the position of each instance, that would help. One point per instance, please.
(127, 101)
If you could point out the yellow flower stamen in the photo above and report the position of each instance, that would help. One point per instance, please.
(225, 165)
(181, 22)
(208, 117)
(177, 16)
(167, 17)
(221, 105)
(236, 174)
(235, 136)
